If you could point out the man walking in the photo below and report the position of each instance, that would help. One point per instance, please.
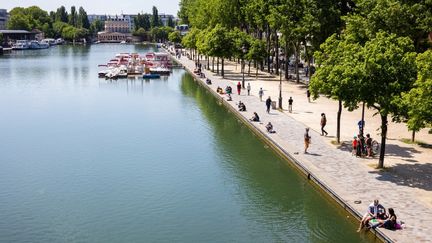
(307, 139)
(239, 86)
(323, 124)
(268, 104)
(308, 95)
(248, 88)
(290, 102)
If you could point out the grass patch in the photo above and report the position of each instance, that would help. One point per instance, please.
(417, 142)
(334, 142)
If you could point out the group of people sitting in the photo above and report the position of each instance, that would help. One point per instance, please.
(362, 146)
(376, 216)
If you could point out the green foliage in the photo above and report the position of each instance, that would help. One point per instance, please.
(142, 21)
(28, 18)
(96, 26)
(73, 17)
(72, 33)
(160, 34)
(19, 22)
(257, 50)
(220, 43)
(419, 99)
(83, 21)
(171, 22)
(190, 39)
(155, 22)
(61, 14)
(175, 37)
(1, 38)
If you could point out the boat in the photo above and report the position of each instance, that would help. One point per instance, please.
(123, 42)
(160, 70)
(102, 71)
(59, 41)
(123, 72)
(49, 41)
(21, 45)
(34, 44)
(158, 59)
(151, 76)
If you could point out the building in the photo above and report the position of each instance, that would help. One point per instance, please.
(117, 29)
(10, 36)
(4, 16)
(183, 28)
(117, 26)
(114, 37)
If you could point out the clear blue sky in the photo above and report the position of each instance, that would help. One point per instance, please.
(100, 6)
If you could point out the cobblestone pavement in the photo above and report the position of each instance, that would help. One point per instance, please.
(405, 185)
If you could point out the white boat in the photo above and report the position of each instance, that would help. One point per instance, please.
(21, 45)
(160, 70)
(59, 41)
(49, 41)
(123, 42)
(34, 44)
(103, 70)
(123, 72)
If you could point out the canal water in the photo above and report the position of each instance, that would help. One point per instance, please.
(84, 159)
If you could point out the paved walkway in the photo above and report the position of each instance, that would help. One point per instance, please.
(406, 184)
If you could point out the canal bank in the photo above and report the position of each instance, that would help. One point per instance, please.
(344, 181)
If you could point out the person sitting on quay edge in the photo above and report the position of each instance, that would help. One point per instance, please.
(255, 117)
(219, 90)
(208, 81)
(372, 213)
(390, 221)
(269, 128)
(241, 106)
(228, 90)
(229, 98)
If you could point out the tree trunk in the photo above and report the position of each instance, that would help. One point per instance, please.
(286, 60)
(268, 47)
(339, 114)
(223, 68)
(383, 141)
(217, 66)
(212, 64)
(296, 50)
(277, 52)
(208, 63)
(249, 65)
(413, 136)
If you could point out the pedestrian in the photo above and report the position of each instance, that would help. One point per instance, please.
(323, 124)
(239, 86)
(268, 104)
(290, 102)
(248, 88)
(261, 93)
(368, 145)
(308, 95)
(307, 140)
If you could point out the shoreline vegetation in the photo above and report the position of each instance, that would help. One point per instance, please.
(74, 26)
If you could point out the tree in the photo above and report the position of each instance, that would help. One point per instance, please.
(83, 21)
(61, 15)
(220, 43)
(19, 22)
(96, 26)
(73, 17)
(419, 99)
(171, 22)
(257, 52)
(154, 18)
(175, 37)
(58, 27)
(142, 21)
(388, 71)
(142, 33)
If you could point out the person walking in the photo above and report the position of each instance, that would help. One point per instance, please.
(290, 102)
(261, 93)
(323, 124)
(307, 140)
(268, 104)
(308, 95)
(248, 88)
(239, 88)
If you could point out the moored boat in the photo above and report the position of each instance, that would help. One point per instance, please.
(151, 76)
(34, 44)
(21, 45)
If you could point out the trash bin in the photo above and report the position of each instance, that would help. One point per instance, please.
(273, 104)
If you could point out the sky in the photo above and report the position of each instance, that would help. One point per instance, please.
(100, 6)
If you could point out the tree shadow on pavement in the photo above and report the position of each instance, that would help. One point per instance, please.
(398, 151)
(410, 175)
